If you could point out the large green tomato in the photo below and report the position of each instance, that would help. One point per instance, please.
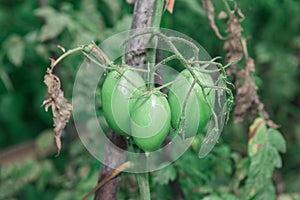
(117, 91)
(197, 111)
(150, 121)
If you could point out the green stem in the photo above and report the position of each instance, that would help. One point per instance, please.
(67, 53)
(164, 61)
(142, 178)
(173, 47)
(157, 14)
(143, 182)
(149, 82)
(228, 10)
(205, 64)
(136, 69)
(100, 55)
(123, 44)
(189, 68)
(5, 78)
(164, 85)
(155, 67)
(98, 63)
(182, 118)
(189, 43)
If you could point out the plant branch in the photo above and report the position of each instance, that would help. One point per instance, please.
(113, 174)
(143, 182)
(135, 57)
(159, 4)
(114, 158)
(67, 53)
(142, 18)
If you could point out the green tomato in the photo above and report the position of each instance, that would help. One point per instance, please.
(197, 111)
(150, 121)
(117, 91)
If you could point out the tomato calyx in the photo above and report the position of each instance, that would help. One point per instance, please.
(144, 92)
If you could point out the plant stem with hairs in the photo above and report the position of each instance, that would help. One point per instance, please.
(142, 18)
(143, 178)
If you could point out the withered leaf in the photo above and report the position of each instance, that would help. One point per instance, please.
(61, 108)
(247, 103)
(170, 5)
(247, 100)
(233, 46)
(130, 1)
(52, 64)
(210, 13)
(246, 94)
(61, 48)
(222, 15)
(99, 54)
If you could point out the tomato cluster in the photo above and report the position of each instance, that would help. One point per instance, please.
(147, 115)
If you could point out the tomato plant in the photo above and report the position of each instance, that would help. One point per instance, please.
(117, 90)
(195, 112)
(150, 121)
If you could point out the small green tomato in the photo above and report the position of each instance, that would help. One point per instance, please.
(117, 91)
(150, 121)
(197, 111)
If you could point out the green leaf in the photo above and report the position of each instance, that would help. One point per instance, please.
(277, 140)
(296, 41)
(241, 170)
(64, 195)
(223, 196)
(115, 8)
(45, 141)
(55, 22)
(164, 175)
(263, 148)
(90, 18)
(15, 48)
(212, 197)
(15, 176)
(47, 173)
(5, 78)
(195, 7)
(294, 196)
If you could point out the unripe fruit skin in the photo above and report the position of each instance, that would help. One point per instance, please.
(117, 91)
(150, 122)
(197, 113)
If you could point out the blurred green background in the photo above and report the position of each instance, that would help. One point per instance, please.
(29, 33)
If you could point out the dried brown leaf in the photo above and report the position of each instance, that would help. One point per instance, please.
(170, 5)
(99, 54)
(131, 2)
(240, 14)
(210, 13)
(222, 15)
(246, 94)
(247, 103)
(233, 46)
(61, 108)
(52, 63)
(255, 127)
(61, 48)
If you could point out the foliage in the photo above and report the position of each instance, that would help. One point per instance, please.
(29, 35)
(45, 177)
(263, 150)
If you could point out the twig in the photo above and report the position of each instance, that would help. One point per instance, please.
(113, 174)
